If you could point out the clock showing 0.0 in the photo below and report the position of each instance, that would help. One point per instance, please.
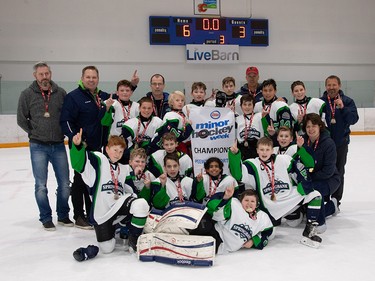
(170, 30)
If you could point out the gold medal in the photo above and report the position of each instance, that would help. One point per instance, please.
(311, 170)
(46, 114)
(273, 197)
(116, 196)
(333, 121)
(246, 144)
(136, 146)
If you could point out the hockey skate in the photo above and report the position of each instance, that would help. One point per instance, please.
(132, 243)
(309, 237)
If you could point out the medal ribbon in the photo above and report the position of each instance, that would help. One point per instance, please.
(154, 106)
(303, 108)
(125, 112)
(315, 144)
(46, 99)
(179, 190)
(138, 137)
(333, 107)
(212, 191)
(114, 178)
(270, 178)
(247, 128)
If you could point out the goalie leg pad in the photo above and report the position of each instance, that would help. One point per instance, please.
(176, 249)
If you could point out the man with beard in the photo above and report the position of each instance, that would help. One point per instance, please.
(38, 114)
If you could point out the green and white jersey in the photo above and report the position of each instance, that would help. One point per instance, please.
(236, 227)
(121, 114)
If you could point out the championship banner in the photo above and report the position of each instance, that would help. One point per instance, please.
(214, 134)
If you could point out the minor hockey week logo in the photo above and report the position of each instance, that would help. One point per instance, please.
(280, 187)
(243, 231)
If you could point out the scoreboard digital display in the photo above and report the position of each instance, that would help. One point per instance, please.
(170, 30)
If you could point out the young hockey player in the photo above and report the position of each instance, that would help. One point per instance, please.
(276, 112)
(304, 105)
(243, 225)
(139, 178)
(156, 160)
(139, 131)
(123, 108)
(171, 187)
(282, 185)
(174, 121)
(106, 179)
(249, 128)
(209, 188)
(198, 92)
(229, 98)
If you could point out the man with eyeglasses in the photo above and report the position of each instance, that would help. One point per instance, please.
(158, 96)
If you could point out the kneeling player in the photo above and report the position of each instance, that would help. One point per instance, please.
(106, 179)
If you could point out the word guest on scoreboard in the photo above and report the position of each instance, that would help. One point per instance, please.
(170, 30)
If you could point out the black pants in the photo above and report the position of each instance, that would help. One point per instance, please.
(206, 227)
(80, 196)
(342, 153)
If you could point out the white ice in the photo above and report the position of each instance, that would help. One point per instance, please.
(28, 252)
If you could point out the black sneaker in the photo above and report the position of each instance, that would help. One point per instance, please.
(83, 223)
(65, 222)
(49, 226)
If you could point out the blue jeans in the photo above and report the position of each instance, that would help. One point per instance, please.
(41, 155)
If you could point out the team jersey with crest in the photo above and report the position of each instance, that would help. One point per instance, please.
(278, 112)
(134, 184)
(95, 169)
(312, 105)
(156, 163)
(298, 154)
(177, 190)
(122, 113)
(210, 191)
(236, 227)
(142, 133)
(291, 185)
(249, 126)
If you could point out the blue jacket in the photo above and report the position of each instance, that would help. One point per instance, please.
(258, 95)
(325, 161)
(80, 110)
(164, 107)
(344, 118)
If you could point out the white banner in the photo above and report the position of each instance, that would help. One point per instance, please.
(214, 133)
(212, 53)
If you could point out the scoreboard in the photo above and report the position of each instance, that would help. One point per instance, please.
(171, 30)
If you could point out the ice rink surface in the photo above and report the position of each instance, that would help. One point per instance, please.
(28, 252)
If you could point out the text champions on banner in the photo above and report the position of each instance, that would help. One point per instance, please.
(212, 53)
(214, 134)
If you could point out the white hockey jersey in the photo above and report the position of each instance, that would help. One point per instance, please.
(239, 228)
(121, 114)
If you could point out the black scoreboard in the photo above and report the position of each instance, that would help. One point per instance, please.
(171, 30)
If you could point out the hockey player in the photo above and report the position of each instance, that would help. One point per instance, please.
(276, 112)
(249, 128)
(209, 188)
(304, 105)
(111, 203)
(282, 185)
(171, 187)
(229, 98)
(198, 92)
(174, 121)
(243, 225)
(156, 160)
(123, 108)
(139, 131)
(139, 178)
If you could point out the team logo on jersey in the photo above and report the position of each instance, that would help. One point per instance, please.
(253, 133)
(280, 187)
(109, 187)
(243, 231)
